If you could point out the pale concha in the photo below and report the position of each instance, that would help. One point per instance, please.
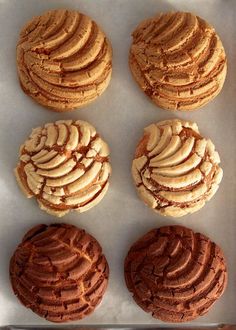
(175, 169)
(65, 166)
(64, 59)
(178, 60)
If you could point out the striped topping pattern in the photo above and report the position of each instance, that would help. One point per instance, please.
(178, 60)
(175, 274)
(64, 59)
(175, 169)
(59, 272)
(65, 165)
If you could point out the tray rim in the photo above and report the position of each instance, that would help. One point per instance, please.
(122, 326)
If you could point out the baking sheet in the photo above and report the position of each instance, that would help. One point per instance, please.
(119, 115)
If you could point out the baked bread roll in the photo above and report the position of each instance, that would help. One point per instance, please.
(178, 60)
(59, 272)
(65, 166)
(175, 169)
(175, 274)
(64, 59)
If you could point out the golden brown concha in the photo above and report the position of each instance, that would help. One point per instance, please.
(178, 60)
(175, 169)
(65, 166)
(59, 272)
(64, 59)
(175, 274)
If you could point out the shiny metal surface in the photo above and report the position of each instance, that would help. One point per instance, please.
(213, 327)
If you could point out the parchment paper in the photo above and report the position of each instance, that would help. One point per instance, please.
(120, 116)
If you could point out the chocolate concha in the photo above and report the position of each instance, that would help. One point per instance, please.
(178, 60)
(65, 166)
(59, 272)
(175, 169)
(175, 274)
(64, 59)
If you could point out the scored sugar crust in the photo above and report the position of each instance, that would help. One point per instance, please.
(59, 272)
(64, 59)
(65, 166)
(175, 169)
(178, 60)
(175, 274)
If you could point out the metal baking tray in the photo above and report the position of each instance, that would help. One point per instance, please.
(120, 115)
(219, 327)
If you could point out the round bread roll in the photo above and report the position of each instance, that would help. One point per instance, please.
(178, 60)
(175, 274)
(65, 166)
(59, 272)
(175, 169)
(64, 59)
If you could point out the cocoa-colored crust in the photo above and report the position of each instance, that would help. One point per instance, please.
(59, 272)
(175, 274)
(64, 59)
(178, 60)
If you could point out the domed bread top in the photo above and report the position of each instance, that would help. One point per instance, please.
(65, 166)
(178, 60)
(64, 59)
(175, 274)
(59, 272)
(175, 169)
